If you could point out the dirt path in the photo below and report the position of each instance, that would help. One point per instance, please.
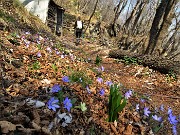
(141, 79)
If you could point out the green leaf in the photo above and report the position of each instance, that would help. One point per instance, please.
(73, 100)
(83, 107)
(115, 104)
(60, 95)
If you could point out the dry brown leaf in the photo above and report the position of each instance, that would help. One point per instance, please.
(114, 129)
(128, 130)
(7, 127)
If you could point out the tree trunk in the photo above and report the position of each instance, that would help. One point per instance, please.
(154, 62)
(121, 5)
(158, 23)
(139, 12)
(91, 15)
(127, 23)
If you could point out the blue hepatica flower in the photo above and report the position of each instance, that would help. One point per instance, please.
(146, 111)
(88, 89)
(100, 80)
(56, 88)
(162, 108)
(57, 52)
(142, 100)
(39, 54)
(109, 83)
(169, 111)
(65, 79)
(102, 91)
(52, 103)
(67, 103)
(101, 69)
(26, 43)
(174, 130)
(155, 117)
(172, 119)
(128, 94)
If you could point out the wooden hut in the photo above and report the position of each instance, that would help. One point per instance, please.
(55, 17)
(50, 12)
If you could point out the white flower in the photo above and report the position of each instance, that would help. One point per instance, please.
(36, 103)
(65, 118)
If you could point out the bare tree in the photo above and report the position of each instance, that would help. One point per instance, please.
(95, 6)
(162, 13)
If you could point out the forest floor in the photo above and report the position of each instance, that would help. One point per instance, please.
(34, 68)
(24, 75)
(160, 87)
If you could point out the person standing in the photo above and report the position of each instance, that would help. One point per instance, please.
(78, 29)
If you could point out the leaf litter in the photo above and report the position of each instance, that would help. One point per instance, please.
(27, 79)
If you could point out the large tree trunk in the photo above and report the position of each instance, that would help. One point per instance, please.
(138, 14)
(121, 5)
(133, 13)
(161, 15)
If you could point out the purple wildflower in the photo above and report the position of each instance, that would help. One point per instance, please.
(155, 117)
(52, 103)
(49, 49)
(39, 54)
(174, 130)
(162, 108)
(108, 83)
(56, 88)
(169, 111)
(72, 57)
(65, 79)
(89, 59)
(88, 89)
(57, 52)
(101, 69)
(146, 111)
(128, 94)
(102, 91)
(23, 37)
(100, 80)
(26, 43)
(67, 103)
(142, 100)
(38, 42)
(172, 119)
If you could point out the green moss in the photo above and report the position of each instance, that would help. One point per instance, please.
(6, 17)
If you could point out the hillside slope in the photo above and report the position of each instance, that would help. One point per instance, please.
(34, 61)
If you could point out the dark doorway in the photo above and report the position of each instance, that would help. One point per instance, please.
(55, 18)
